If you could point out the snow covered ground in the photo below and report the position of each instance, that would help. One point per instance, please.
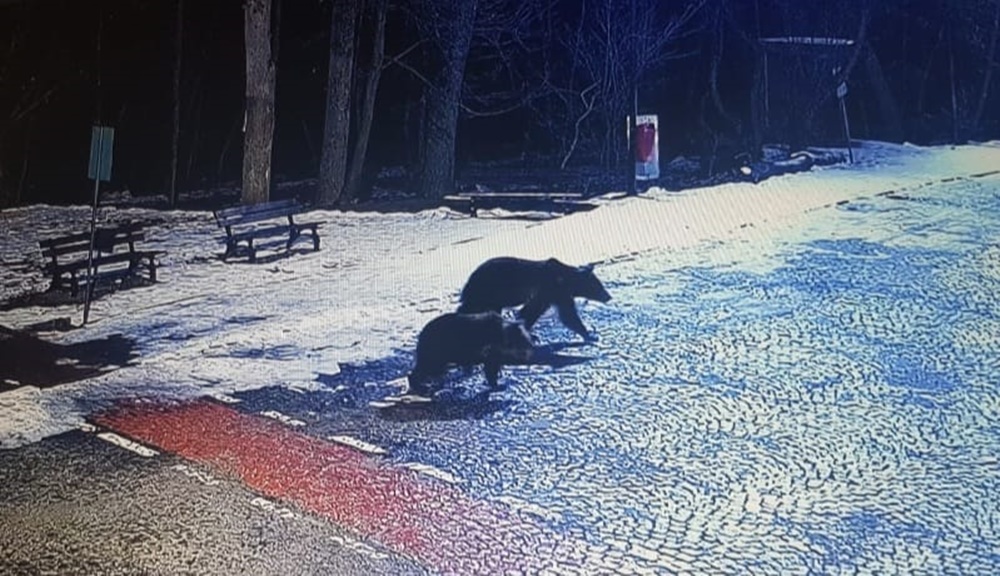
(210, 327)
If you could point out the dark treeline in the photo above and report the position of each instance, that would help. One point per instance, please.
(542, 82)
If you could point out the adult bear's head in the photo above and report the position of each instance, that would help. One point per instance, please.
(586, 285)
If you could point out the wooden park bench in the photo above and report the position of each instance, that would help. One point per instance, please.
(247, 224)
(116, 262)
(562, 202)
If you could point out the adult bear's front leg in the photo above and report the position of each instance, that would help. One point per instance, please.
(571, 318)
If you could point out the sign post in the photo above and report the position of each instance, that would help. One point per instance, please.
(102, 140)
(842, 95)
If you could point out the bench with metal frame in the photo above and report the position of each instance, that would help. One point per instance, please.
(246, 224)
(68, 258)
(472, 202)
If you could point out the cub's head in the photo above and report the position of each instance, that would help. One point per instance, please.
(585, 284)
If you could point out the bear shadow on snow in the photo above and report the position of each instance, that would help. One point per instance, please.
(548, 355)
(450, 404)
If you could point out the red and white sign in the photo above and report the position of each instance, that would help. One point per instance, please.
(647, 147)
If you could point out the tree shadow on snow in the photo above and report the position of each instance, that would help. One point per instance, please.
(27, 360)
(268, 254)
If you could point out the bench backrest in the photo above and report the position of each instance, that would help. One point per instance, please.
(105, 240)
(256, 212)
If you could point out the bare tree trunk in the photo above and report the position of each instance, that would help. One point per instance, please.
(176, 135)
(990, 65)
(757, 114)
(378, 10)
(922, 91)
(589, 98)
(891, 120)
(24, 165)
(954, 96)
(337, 127)
(444, 99)
(713, 77)
(860, 45)
(197, 102)
(259, 121)
(225, 150)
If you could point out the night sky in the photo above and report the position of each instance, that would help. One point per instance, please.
(112, 61)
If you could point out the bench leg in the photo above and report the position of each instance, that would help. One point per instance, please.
(293, 235)
(251, 251)
(315, 240)
(230, 249)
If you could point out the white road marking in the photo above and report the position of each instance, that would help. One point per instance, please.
(270, 506)
(433, 472)
(357, 444)
(275, 415)
(528, 507)
(127, 444)
(402, 383)
(224, 398)
(359, 547)
(198, 475)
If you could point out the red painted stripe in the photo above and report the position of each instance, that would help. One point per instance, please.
(427, 520)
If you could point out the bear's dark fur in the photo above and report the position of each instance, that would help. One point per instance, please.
(467, 340)
(538, 284)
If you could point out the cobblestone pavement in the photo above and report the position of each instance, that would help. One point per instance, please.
(822, 402)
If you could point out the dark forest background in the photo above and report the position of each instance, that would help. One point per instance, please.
(542, 84)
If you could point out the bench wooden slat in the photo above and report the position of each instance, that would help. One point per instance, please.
(254, 218)
(258, 212)
(48, 242)
(84, 245)
(519, 195)
(102, 260)
(245, 224)
(266, 206)
(107, 240)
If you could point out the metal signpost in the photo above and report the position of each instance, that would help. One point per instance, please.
(102, 140)
(842, 95)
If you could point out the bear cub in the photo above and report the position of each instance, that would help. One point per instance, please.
(467, 340)
(504, 282)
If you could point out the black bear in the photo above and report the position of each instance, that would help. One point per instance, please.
(467, 340)
(538, 284)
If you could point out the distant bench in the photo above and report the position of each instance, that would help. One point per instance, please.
(68, 256)
(244, 225)
(472, 202)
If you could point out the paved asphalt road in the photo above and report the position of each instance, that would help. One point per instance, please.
(824, 404)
